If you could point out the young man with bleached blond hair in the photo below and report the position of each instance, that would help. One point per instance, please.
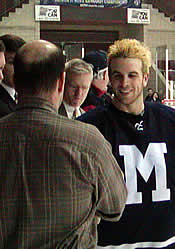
(142, 138)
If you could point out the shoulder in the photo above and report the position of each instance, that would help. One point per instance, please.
(6, 108)
(75, 129)
(161, 110)
(95, 116)
(2, 89)
(83, 136)
(3, 92)
(55, 129)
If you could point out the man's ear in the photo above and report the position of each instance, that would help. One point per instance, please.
(61, 81)
(145, 79)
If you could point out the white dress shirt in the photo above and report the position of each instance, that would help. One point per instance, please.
(70, 110)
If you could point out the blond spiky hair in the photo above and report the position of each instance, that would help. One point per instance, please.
(130, 48)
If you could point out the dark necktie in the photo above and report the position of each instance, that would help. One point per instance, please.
(16, 97)
(75, 114)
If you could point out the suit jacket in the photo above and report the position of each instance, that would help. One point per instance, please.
(7, 104)
(56, 175)
(62, 110)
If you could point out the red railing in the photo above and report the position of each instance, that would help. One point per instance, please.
(7, 6)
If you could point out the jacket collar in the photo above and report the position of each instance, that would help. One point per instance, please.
(35, 103)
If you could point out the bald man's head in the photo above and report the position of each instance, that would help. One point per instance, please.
(38, 65)
(37, 50)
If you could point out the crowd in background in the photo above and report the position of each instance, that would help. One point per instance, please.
(154, 96)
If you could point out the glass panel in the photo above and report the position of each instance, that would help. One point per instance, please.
(73, 50)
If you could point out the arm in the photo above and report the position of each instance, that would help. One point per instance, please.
(112, 191)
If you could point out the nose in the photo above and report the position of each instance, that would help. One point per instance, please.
(124, 81)
(78, 92)
(1, 75)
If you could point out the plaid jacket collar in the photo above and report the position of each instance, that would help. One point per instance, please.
(35, 103)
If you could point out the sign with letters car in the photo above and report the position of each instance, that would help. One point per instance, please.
(47, 13)
(138, 16)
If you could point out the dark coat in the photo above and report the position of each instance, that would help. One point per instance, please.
(7, 104)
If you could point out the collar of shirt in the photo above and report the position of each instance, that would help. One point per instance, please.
(11, 91)
(70, 110)
(36, 103)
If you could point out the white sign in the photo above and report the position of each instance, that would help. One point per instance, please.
(138, 16)
(47, 13)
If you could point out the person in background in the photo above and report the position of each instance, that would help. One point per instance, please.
(97, 95)
(142, 138)
(79, 75)
(2, 59)
(155, 97)
(58, 176)
(8, 94)
(149, 96)
(162, 94)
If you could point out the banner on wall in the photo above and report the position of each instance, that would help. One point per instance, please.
(139, 16)
(47, 13)
(95, 3)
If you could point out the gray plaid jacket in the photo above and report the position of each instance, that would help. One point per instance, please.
(56, 175)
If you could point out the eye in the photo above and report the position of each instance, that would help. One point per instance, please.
(117, 76)
(132, 75)
(85, 88)
(73, 87)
